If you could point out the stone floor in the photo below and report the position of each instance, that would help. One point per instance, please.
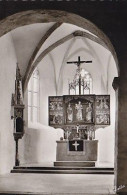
(56, 184)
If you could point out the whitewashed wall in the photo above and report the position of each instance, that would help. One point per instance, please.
(7, 83)
(39, 144)
(106, 136)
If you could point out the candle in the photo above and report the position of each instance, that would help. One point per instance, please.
(77, 128)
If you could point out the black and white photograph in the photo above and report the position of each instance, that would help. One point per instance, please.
(63, 102)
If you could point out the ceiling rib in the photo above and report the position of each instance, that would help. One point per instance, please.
(31, 68)
(39, 45)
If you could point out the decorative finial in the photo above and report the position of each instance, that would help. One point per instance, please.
(18, 87)
(18, 75)
(13, 100)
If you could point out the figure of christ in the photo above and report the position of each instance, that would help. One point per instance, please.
(79, 109)
(69, 113)
(89, 113)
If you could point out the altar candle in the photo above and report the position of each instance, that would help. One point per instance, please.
(67, 134)
(77, 128)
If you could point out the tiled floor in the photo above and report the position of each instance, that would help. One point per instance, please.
(56, 184)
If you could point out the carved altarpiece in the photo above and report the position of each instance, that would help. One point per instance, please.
(79, 115)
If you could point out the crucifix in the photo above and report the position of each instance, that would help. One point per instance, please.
(78, 63)
(76, 145)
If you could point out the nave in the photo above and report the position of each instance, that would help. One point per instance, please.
(56, 184)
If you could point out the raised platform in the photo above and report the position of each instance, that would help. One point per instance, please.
(62, 170)
(74, 163)
(89, 152)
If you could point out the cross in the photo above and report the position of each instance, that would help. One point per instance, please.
(79, 62)
(76, 145)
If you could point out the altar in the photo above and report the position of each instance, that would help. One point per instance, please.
(79, 114)
(76, 152)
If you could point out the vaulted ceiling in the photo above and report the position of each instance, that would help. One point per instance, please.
(35, 33)
(65, 41)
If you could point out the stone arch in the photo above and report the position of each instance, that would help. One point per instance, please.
(43, 16)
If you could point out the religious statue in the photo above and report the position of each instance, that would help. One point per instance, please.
(69, 113)
(79, 114)
(57, 119)
(52, 107)
(100, 106)
(89, 113)
(59, 106)
(99, 119)
(105, 104)
(106, 119)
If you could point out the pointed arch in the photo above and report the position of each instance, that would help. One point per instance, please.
(56, 44)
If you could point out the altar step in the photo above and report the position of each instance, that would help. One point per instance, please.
(74, 163)
(62, 170)
(43, 193)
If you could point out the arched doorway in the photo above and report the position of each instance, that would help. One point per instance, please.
(97, 35)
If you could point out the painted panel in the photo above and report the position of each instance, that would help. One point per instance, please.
(102, 110)
(56, 116)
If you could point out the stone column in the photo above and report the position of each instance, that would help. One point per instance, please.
(121, 131)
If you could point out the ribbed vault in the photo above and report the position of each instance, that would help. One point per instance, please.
(59, 17)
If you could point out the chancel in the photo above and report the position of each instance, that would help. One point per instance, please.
(79, 116)
(68, 115)
(81, 128)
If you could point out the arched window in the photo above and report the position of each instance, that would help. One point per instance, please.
(33, 97)
(81, 84)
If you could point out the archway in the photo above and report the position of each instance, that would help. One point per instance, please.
(49, 16)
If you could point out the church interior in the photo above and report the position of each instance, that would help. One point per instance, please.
(60, 89)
